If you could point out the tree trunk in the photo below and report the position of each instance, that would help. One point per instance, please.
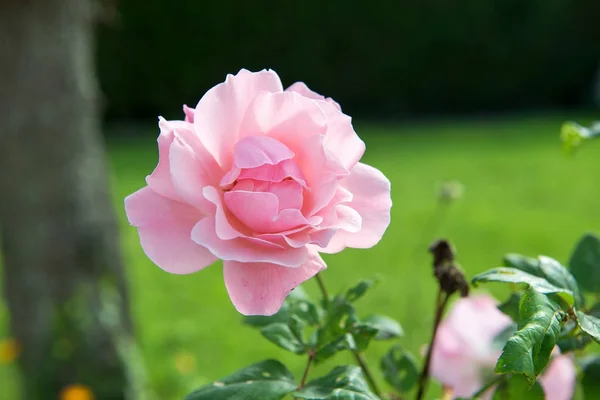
(59, 234)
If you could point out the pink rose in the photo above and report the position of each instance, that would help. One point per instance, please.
(560, 376)
(264, 179)
(464, 354)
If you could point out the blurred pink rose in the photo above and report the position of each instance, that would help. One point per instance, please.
(558, 380)
(464, 354)
(264, 179)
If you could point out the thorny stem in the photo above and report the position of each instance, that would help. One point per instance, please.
(323, 290)
(365, 368)
(442, 300)
(357, 355)
(311, 357)
(488, 385)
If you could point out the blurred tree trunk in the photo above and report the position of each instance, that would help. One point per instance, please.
(59, 234)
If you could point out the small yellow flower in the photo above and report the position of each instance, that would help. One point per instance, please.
(9, 350)
(76, 392)
(185, 362)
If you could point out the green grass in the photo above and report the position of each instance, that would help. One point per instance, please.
(521, 195)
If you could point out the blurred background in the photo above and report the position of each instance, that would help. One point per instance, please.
(472, 92)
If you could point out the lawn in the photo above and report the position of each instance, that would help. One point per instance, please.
(521, 194)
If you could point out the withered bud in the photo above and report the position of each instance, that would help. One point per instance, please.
(448, 273)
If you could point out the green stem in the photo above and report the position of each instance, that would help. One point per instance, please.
(488, 385)
(357, 355)
(442, 300)
(311, 357)
(323, 290)
(367, 373)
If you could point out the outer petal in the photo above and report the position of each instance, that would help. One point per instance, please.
(245, 250)
(160, 179)
(300, 87)
(558, 381)
(341, 139)
(189, 114)
(372, 200)
(219, 113)
(165, 229)
(261, 288)
(192, 168)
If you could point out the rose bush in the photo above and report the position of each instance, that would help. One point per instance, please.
(264, 179)
(465, 351)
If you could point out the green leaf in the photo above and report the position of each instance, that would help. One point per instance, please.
(501, 338)
(528, 351)
(559, 276)
(585, 263)
(342, 383)
(359, 290)
(590, 368)
(363, 334)
(511, 306)
(517, 387)
(513, 275)
(547, 268)
(339, 319)
(286, 338)
(342, 342)
(400, 369)
(387, 327)
(524, 263)
(589, 324)
(572, 343)
(266, 380)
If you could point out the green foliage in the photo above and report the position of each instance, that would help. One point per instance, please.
(585, 263)
(517, 387)
(286, 336)
(572, 135)
(528, 351)
(589, 324)
(343, 382)
(513, 275)
(266, 380)
(590, 382)
(400, 40)
(400, 369)
(547, 268)
(387, 328)
(511, 306)
(359, 290)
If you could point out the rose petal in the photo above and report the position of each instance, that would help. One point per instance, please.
(225, 228)
(261, 288)
(160, 179)
(341, 139)
(165, 228)
(300, 87)
(219, 113)
(287, 116)
(371, 190)
(274, 173)
(256, 210)
(191, 170)
(558, 381)
(254, 151)
(244, 250)
(189, 114)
